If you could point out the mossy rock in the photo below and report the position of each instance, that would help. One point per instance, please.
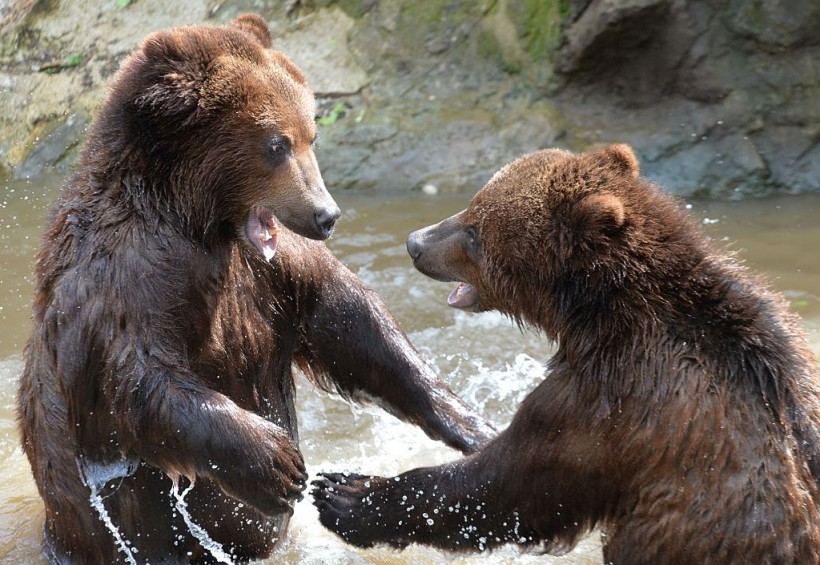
(437, 24)
(353, 8)
(539, 24)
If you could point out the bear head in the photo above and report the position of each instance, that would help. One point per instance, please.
(552, 234)
(221, 127)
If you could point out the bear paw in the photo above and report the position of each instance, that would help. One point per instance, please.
(271, 478)
(352, 506)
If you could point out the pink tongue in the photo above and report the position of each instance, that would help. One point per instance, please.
(463, 296)
(257, 232)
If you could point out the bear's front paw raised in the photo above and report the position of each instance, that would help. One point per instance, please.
(353, 506)
(270, 475)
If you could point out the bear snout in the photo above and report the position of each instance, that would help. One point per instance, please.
(326, 220)
(312, 216)
(436, 250)
(414, 245)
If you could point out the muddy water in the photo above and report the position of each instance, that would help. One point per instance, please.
(484, 357)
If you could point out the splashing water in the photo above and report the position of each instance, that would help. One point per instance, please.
(214, 547)
(95, 476)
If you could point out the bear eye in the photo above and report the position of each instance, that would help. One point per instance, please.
(278, 148)
(472, 238)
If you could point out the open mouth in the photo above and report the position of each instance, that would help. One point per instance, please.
(463, 296)
(263, 231)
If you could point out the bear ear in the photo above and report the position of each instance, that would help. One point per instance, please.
(592, 217)
(601, 213)
(256, 26)
(174, 73)
(622, 158)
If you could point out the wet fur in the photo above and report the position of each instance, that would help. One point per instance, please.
(161, 335)
(680, 413)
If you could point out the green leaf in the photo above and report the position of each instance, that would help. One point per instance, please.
(54, 67)
(121, 3)
(334, 115)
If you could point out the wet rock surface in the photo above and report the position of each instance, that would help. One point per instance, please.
(720, 101)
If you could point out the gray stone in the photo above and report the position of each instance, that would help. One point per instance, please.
(53, 148)
(793, 153)
(602, 25)
(319, 46)
(682, 172)
(777, 23)
(737, 169)
(718, 99)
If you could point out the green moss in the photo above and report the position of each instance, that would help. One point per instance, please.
(421, 19)
(353, 8)
(488, 47)
(333, 116)
(539, 24)
(427, 13)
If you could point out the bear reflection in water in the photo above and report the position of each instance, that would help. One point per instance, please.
(178, 283)
(680, 413)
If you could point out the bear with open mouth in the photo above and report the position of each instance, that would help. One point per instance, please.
(680, 413)
(179, 281)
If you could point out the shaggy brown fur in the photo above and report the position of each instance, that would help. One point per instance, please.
(680, 413)
(170, 306)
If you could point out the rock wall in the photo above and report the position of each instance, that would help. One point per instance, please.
(718, 100)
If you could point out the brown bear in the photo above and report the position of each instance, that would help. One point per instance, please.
(176, 288)
(680, 413)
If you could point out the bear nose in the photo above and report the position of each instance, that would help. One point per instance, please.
(413, 245)
(326, 219)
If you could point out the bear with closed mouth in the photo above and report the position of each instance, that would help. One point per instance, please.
(178, 284)
(680, 413)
